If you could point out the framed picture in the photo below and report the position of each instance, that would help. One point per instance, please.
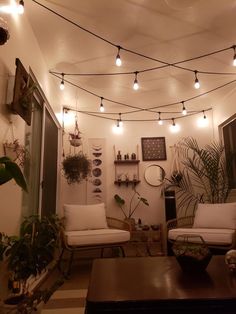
(153, 148)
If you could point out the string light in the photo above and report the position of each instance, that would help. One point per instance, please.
(21, 7)
(174, 128)
(62, 85)
(136, 85)
(120, 120)
(160, 121)
(196, 82)
(184, 111)
(118, 59)
(102, 109)
(203, 121)
(164, 63)
(234, 60)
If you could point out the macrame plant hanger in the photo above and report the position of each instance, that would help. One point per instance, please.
(12, 148)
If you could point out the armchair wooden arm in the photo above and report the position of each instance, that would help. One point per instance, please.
(180, 222)
(118, 224)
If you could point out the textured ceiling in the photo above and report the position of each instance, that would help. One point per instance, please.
(167, 30)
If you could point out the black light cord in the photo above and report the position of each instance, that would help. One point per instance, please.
(150, 109)
(90, 113)
(164, 63)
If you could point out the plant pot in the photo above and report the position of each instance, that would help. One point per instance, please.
(76, 142)
(192, 253)
(10, 305)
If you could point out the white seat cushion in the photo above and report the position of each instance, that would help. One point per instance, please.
(210, 236)
(96, 237)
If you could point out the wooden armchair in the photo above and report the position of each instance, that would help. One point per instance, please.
(86, 228)
(215, 223)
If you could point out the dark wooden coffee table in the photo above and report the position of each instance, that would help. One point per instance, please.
(158, 285)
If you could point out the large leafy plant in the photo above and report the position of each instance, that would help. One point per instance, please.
(203, 175)
(135, 201)
(10, 170)
(34, 249)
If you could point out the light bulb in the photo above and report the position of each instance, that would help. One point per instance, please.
(234, 61)
(62, 85)
(160, 122)
(203, 122)
(184, 111)
(120, 121)
(102, 109)
(196, 82)
(136, 85)
(118, 59)
(21, 8)
(174, 128)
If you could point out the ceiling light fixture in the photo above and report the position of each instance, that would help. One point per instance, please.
(62, 85)
(160, 121)
(102, 109)
(118, 59)
(21, 7)
(184, 111)
(196, 82)
(136, 85)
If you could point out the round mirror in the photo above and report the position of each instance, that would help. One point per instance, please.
(154, 175)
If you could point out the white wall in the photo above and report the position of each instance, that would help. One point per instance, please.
(23, 45)
(126, 143)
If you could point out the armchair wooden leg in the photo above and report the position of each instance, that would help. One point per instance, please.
(122, 251)
(67, 275)
(60, 260)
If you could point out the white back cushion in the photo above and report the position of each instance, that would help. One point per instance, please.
(84, 217)
(215, 216)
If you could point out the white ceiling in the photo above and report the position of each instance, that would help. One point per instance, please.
(168, 30)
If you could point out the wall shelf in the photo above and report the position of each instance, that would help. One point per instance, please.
(126, 169)
(127, 182)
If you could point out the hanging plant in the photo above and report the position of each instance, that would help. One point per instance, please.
(76, 168)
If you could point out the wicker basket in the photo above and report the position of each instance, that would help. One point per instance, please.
(191, 252)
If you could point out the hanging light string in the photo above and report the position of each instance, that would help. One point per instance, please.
(89, 113)
(164, 63)
(150, 109)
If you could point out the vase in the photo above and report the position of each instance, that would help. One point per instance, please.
(191, 252)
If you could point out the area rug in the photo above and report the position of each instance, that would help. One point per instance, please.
(67, 302)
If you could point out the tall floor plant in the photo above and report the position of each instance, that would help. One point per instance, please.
(203, 175)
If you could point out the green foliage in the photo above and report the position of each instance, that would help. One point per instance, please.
(132, 206)
(34, 249)
(10, 170)
(203, 177)
(76, 168)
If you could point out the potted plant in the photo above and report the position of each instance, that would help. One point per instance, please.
(203, 177)
(10, 170)
(76, 167)
(31, 252)
(135, 201)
